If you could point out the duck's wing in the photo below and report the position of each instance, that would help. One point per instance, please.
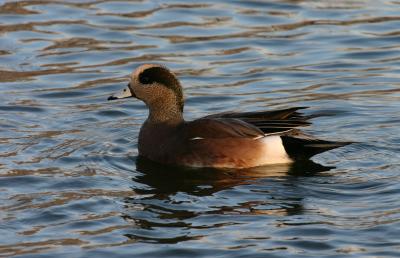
(218, 128)
(269, 121)
(256, 125)
(297, 145)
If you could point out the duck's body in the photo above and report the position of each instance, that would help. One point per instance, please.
(193, 144)
(230, 140)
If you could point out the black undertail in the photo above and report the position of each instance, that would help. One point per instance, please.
(305, 148)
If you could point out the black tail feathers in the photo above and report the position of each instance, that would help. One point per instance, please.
(300, 148)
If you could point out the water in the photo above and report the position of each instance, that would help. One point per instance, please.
(71, 184)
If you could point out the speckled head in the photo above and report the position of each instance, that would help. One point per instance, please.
(154, 83)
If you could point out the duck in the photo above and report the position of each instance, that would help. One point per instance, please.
(225, 140)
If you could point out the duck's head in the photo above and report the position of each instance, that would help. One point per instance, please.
(156, 86)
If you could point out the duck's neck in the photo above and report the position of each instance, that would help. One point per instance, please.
(161, 112)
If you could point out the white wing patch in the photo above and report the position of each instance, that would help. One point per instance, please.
(196, 138)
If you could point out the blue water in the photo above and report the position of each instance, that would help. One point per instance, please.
(71, 184)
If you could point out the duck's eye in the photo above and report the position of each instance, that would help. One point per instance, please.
(145, 79)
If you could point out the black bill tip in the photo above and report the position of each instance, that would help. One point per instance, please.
(111, 98)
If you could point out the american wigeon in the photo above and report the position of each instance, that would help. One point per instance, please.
(226, 140)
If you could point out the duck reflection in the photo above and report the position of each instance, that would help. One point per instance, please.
(166, 180)
(174, 200)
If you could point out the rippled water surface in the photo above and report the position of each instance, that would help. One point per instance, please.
(71, 184)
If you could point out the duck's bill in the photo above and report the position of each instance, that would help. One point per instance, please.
(125, 93)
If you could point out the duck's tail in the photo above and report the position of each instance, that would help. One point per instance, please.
(300, 146)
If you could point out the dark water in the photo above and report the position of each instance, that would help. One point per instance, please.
(71, 184)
